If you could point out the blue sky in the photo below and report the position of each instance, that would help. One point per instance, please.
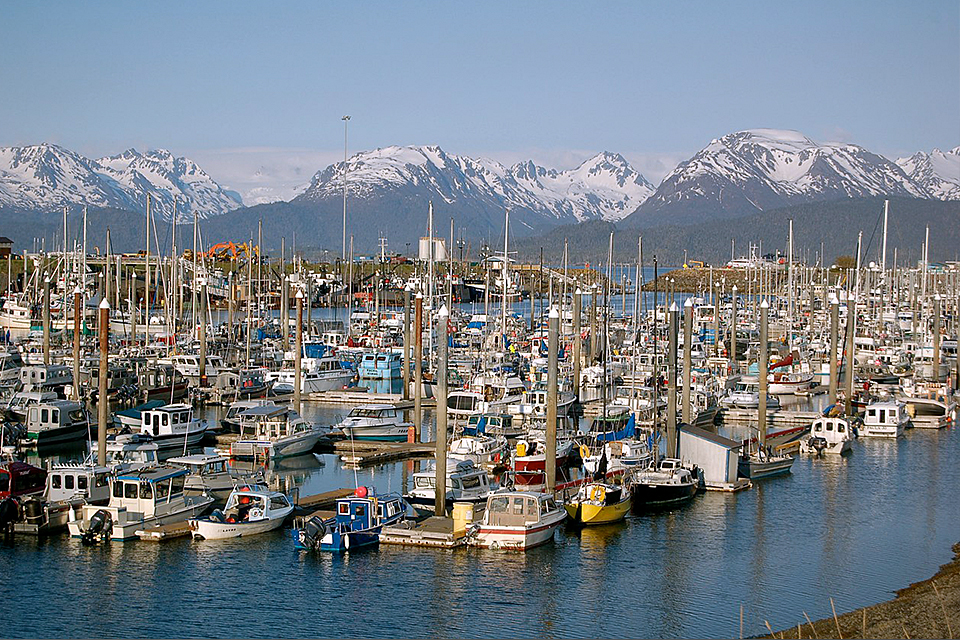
(245, 85)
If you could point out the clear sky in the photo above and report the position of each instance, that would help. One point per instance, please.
(247, 86)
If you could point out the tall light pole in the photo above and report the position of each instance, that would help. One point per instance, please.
(343, 252)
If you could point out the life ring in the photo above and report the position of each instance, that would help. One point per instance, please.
(584, 452)
(255, 514)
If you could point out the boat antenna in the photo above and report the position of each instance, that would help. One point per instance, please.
(656, 366)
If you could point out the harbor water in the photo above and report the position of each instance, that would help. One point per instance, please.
(854, 529)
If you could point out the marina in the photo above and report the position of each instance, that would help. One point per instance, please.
(711, 448)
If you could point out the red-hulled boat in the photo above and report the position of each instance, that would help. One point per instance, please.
(530, 463)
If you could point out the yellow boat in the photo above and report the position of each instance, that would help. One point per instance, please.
(598, 503)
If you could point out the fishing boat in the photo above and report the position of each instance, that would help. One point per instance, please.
(663, 485)
(272, 431)
(482, 450)
(130, 451)
(172, 427)
(69, 486)
(466, 482)
(530, 461)
(18, 403)
(208, 474)
(231, 419)
(374, 422)
(517, 520)
(885, 420)
(828, 435)
(326, 374)
(250, 510)
(139, 499)
(356, 524)
(57, 422)
(746, 395)
(382, 365)
(132, 418)
(162, 382)
(762, 462)
(598, 503)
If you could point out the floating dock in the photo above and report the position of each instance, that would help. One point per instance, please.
(778, 418)
(364, 453)
(435, 531)
(165, 532)
(355, 397)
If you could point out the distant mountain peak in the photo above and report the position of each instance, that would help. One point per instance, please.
(938, 173)
(605, 186)
(47, 177)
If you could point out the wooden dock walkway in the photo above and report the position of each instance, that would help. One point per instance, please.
(435, 531)
(364, 453)
(356, 397)
(164, 532)
(325, 500)
(778, 418)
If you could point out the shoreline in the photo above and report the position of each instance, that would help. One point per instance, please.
(926, 609)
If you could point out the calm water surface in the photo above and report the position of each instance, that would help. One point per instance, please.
(855, 529)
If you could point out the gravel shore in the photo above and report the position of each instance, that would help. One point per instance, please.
(926, 609)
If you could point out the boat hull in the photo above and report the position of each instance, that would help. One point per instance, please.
(754, 469)
(517, 538)
(204, 529)
(586, 514)
(654, 495)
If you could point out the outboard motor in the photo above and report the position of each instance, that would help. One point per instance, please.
(312, 533)
(818, 444)
(33, 511)
(9, 513)
(100, 525)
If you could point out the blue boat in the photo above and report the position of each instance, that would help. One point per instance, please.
(357, 523)
(381, 366)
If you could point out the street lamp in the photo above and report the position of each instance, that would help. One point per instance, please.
(343, 251)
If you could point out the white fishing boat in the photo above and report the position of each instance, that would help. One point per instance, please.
(138, 499)
(249, 510)
(208, 474)
(482, 450)
(828, 436)
(465, 483)
(172, 427)
(325, 374)
(272, 431)
(375, 422)
(517, 520)
(886, 419)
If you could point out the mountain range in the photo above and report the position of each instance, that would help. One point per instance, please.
(388, 189)
(46, 178)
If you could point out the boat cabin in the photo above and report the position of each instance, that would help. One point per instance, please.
(21, 479)
(45, 377)
(148, 491)
(201, 464)
(22, 399)
(517, 509)
(130, 451)
(55, 414)
(171, 419)
(72, 481)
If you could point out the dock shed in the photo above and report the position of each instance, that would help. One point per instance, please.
(713, 453)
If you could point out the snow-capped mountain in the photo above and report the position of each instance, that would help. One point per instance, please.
(605, 186)
(762, 169)
(47, 177)
(937, 172)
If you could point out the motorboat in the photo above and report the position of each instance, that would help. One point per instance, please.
(162, 382)
(208, 474)
(69, 486)
(496, 424)
(326, 374)
(357, 523)
(382, 365)
(746, 395)
(189, 367)
(530, 461)
(272, 431)
(375, 422)
(56, 422)
(172, 427)
(466, 482)
(231, 419)
(762, 463)
(482, 450)
(828, 435)
(663, 485)
(132, 418)
(49, 377)
(789, 383)
(20, 401)
(598, 503)
(534, 403)
(250, 510)
(620, 455)
(933, 412)
(517, 520)
(462, 404)
(130, 451)
(138, 499)
(886, 419)
(19, 479)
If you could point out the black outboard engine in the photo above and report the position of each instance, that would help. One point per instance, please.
(100, 525)
(9, 513)
(818, 444)
(312, 533)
